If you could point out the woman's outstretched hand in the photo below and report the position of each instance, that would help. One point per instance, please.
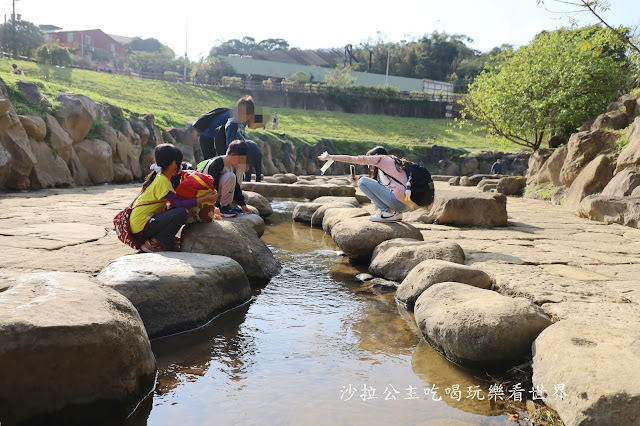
(324, 156)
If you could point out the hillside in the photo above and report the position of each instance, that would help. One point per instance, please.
(175, 104)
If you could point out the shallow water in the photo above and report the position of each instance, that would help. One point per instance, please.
(305, 349)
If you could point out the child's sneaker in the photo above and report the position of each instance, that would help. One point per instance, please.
(151, 246)
(384, 216)
(237, 209)
(227, 211)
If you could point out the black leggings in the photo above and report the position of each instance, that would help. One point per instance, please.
(165, 226)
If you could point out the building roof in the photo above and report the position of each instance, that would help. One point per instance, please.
(245, 65)
(319, 57)
(121, 39)
(46, 28)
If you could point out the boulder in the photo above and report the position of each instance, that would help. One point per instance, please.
(5, 166)
(448, 168)
(141, 129)
(611, 209)
(628, 103)
(623, 183)
(110, 136)
(96, 156)
(434, 271)
(72, 351)
(583, 147)
(32, 93)
(511, 185)
(481, 209)
(476, 327)
(285, 178)
(318, 215)
(61, 142)
(336, 215)
(394, 259)
(235, 240)
(487, 182)
(614, 120)
(253, 221)
(34, 126)
(550, 170)
(476, 179)
(129, 149)
(259, 202)
(469, 165)
(15, 141)
(600, 381)
(537, 159)
(593, 178)
(357, 238)
(454, 181)
(78, 170)
(303, 212)
(50, 170)
(76, 114)
(121, 174)
(630, 155)
(188, 154)
(175, 292)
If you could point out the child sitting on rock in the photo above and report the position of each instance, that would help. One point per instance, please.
(195, 184)
(227, 171)
(149, 221)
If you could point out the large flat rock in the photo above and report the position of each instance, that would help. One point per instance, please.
(597, 362)
(50, 236)
(174, 292)
(334, 216)
(479, 209)
(611, 209)
(72, 351)
(476, 327)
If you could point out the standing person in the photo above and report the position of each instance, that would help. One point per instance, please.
(226, 171)
(274, 121)
(149, 221)
(496, 168)
(387, 190)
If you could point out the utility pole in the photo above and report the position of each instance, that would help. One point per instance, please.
(15, 32)
(386, 78)
(186, 35)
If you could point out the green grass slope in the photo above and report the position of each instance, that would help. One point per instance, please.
(175, 104)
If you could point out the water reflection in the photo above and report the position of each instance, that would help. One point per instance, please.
(291, 355)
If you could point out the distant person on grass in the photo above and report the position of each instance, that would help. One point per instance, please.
(16, 70)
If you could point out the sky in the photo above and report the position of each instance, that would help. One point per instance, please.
(201, 24)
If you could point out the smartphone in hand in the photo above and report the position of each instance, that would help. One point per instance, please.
(352, 170)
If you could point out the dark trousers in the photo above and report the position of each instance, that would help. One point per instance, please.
(207, 147)
(165, 226)
(257, 168)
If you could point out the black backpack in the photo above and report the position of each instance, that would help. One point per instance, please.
(205, 120)
(419, 179)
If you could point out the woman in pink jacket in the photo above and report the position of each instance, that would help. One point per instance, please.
(386, 186)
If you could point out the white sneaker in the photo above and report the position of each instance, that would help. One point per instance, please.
(386, 217)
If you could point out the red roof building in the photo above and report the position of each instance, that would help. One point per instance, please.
(94, 45)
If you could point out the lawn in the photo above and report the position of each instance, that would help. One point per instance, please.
(175, 104)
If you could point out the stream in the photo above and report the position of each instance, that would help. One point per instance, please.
(316, 346)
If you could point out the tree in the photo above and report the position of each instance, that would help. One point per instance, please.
(274, 44)
(54, 54)
(553, 84)
(24, 41)
(340, 77)
(139, 44)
